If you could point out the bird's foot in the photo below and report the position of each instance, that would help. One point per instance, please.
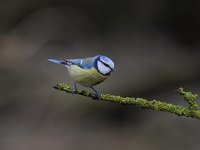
(96, 96)
(74, 91)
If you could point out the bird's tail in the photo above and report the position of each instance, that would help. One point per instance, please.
(59, 61)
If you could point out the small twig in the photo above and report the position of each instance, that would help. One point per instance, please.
(189, 98)
(191, 111)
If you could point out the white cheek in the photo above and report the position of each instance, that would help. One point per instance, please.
(109, 62)
(102, 68)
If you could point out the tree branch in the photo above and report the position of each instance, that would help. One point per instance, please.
(190, 111)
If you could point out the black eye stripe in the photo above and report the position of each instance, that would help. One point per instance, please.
(105, 64)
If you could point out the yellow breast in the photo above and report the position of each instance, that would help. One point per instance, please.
(85, 77)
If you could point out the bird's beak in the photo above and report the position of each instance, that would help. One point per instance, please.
(114, 70)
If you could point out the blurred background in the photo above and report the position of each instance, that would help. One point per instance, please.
(155, 47)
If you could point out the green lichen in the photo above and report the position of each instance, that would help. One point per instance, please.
(190, 111)
(189, 98)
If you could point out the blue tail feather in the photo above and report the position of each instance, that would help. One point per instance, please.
(60, 61)
(57, 61)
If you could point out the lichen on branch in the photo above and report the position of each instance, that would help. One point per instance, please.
(190, 111)
(189, 98)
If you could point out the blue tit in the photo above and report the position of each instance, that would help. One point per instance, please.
(88, 71)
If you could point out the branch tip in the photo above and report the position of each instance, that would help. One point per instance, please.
(189, 97)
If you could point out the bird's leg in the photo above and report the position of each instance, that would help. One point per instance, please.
(96, 92)
(74, 88)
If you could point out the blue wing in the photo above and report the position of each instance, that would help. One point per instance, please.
(86, 63)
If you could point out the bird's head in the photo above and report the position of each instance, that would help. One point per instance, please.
(104, 65)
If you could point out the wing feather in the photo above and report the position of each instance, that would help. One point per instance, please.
(86, 63)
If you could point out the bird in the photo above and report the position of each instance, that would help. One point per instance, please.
(87, 72)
